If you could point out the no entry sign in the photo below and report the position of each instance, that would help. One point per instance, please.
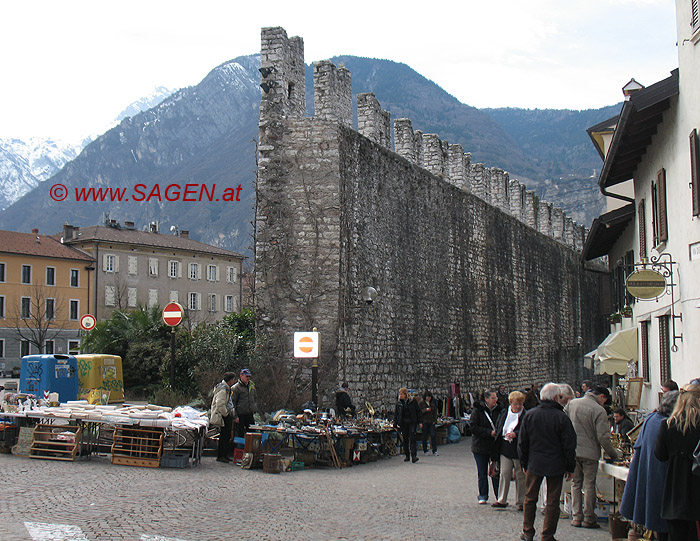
(173, 314)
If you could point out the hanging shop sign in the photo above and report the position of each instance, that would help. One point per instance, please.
(646, 284)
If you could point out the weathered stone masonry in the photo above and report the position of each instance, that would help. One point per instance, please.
(479, 282)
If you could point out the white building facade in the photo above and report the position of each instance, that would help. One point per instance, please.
(655, 146)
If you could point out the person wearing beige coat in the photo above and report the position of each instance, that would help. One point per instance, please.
(222, 414)
(592, 428)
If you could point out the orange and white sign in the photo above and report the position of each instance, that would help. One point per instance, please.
(306, 344)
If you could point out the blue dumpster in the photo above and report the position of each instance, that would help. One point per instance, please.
(53, 373)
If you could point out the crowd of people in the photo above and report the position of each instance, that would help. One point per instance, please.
(541, 438)
(537, 438)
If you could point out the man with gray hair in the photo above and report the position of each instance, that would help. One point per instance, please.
(547, 449)
(592, 428)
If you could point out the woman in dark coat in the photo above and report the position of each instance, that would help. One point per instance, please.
(407, 418)
(430, 417)
(677, 439)
(641, 501)
(482, 424)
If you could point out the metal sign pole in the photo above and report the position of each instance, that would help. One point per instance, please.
(172, 358)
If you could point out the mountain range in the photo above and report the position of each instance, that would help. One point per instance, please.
(205, 134)
(24, 163)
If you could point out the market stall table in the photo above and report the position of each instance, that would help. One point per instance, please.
(96, 426)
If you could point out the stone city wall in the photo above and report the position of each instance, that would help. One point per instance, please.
(478, 281)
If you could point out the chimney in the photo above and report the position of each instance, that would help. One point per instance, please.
(67, 232)
(35, 231)
(129, 225)
(184, 234)
(630, 88)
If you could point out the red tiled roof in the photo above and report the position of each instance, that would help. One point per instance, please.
(12, 242)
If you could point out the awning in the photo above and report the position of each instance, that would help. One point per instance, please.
(617, 350)
(588, 359)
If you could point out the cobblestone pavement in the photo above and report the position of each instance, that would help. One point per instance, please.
(390, 499)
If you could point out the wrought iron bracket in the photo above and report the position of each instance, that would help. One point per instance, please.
(663, 264)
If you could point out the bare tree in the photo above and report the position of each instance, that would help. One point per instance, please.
(121, 291)
(40, 317)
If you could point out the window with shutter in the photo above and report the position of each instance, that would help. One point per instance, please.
(152, 298)
(641, 216)
(174, 296)
(664, 349)
(153, 266)
(173, 269)
(109, 295)
(133, 265)
(644, 335)
(131, 297)
(695, 170)
(605, 293)
(658, 201)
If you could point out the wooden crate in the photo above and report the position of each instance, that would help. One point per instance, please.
(51, 442)
(137, 447)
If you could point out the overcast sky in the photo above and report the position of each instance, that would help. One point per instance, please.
(68, 67)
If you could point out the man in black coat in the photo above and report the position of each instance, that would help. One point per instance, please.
(482, 424)
(547, 449)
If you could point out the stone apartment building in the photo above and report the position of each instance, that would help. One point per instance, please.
(135, 267)
(44, 290)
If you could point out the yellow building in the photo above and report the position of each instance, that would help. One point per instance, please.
(44, 291)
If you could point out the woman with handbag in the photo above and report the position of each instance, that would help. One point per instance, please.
(505, 451)
(483, 427)
(677, 440)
